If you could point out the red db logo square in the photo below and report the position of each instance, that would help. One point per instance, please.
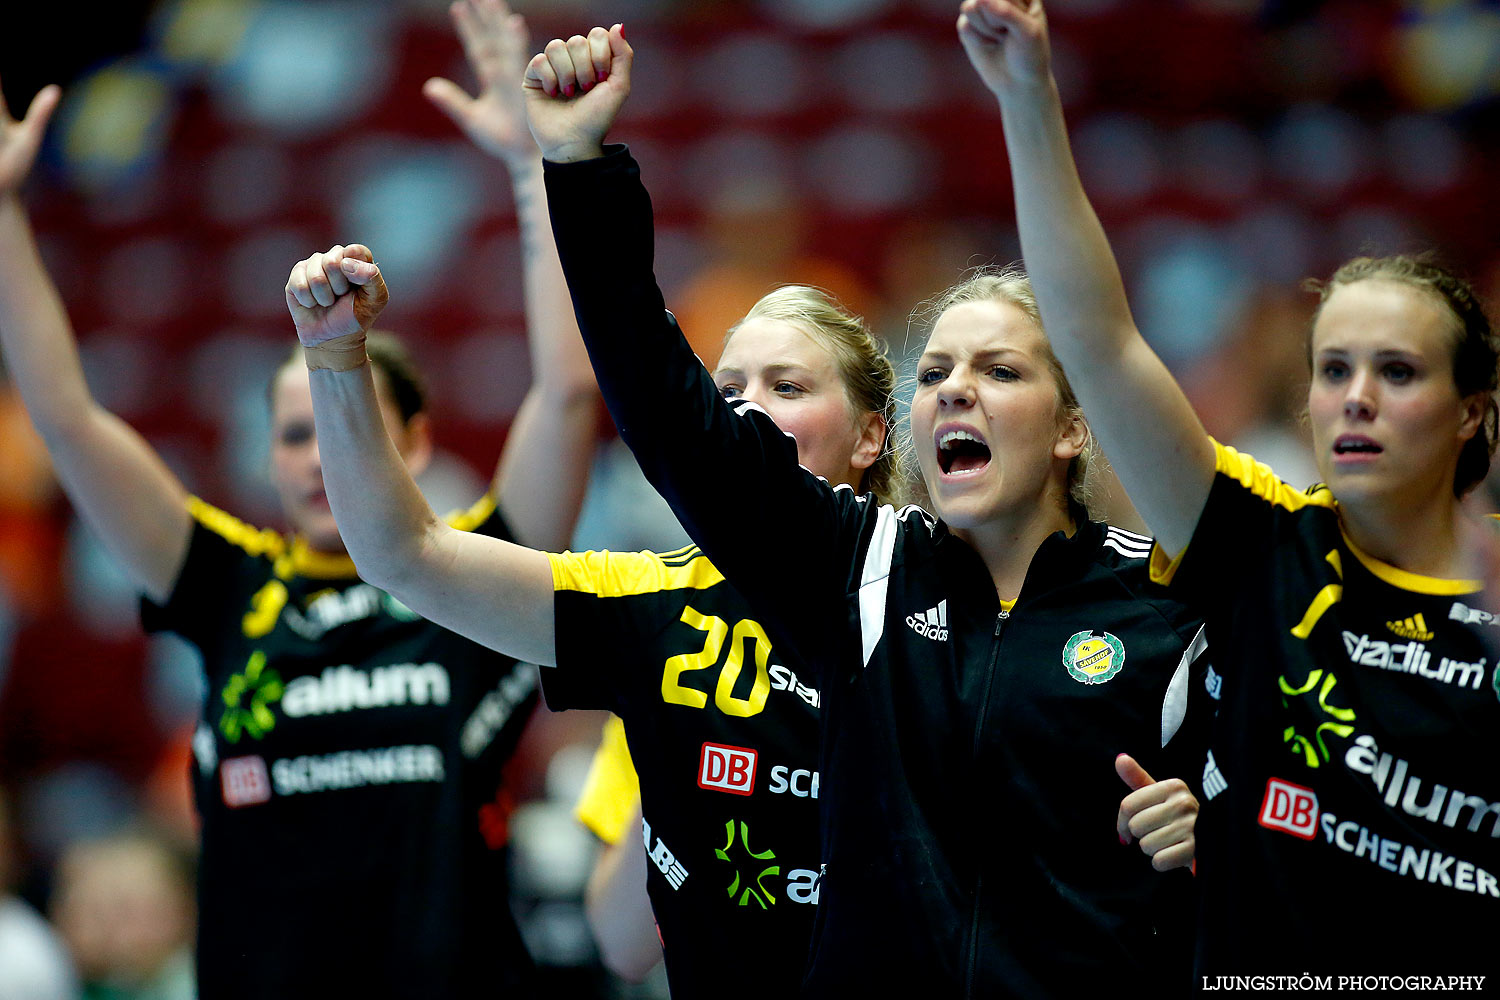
(1290, 808)
(245, 781)
(727, 769)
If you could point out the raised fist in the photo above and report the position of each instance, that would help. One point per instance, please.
(574, 90)
(1006, 41)
(335, 293)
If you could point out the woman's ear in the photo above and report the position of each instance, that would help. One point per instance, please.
(873, 429)
(1472, 411)
(1072, 436)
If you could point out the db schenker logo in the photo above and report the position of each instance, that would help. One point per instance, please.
(729, 769)
(1289, 808)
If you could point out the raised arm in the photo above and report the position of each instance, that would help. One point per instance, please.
(733, 480)
(492, 591)
(120, 486)
(1147, 427)
(543, 471)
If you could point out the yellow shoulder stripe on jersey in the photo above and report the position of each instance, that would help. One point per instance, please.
(678, 557)
(612, 791)
(477, 514)
(255, 541)
(1258, 478)
(1414, 582)
(622, 574)
(1261, 481)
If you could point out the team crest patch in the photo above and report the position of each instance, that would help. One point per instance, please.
(1093, 657)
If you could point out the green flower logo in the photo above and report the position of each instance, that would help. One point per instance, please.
(1301, 744)
(754, 889)
(247, 700)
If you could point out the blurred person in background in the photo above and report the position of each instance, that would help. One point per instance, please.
(723, 737)
(347, 769)
(124, 906)
(34, 964)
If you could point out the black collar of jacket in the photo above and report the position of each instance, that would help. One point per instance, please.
(1060, 561)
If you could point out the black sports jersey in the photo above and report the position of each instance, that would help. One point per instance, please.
(968, 799)
(348, 777)
(1351, 804)
(722, 726)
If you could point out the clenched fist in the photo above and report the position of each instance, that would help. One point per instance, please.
(335, 293)
(574, 90)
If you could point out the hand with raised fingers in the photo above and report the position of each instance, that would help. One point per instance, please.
(1006, 40)
(335, 293)
(1160, 815)
(20, 140)
(496, 44)
(574, 90)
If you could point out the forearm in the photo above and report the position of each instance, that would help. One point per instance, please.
(647, 374)
(40, 351)
(385, 522)
(1068, 257)
(1139, 414)
(665, 406)
(619, 910)
(494, 592)
(559, 362)
(732, 480)
(543, 472)
(119, 485)
(611, 287)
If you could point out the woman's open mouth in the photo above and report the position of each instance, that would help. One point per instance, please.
(1355, 448)
(960, 452)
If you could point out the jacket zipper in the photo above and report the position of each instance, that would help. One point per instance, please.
(984, 707)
